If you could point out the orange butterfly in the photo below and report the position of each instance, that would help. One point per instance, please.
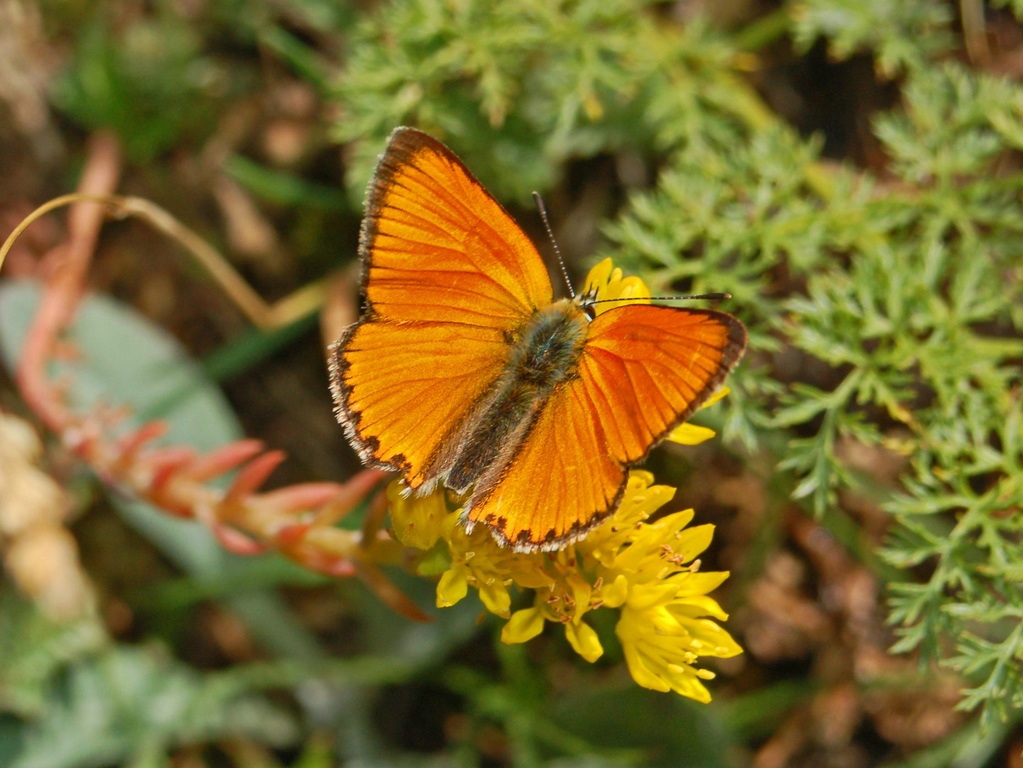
(465, 370)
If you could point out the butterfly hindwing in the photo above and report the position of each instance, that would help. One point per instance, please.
(560, 483)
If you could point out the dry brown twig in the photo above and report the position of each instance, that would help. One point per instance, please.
(297, 521)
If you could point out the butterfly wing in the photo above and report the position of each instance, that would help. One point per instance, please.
(448, 275)
(562, 482)
(437, 247)
(644, 370)
(647, 369)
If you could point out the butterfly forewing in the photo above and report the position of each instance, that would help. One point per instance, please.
(439, 247)
(647, 368)
(448, 275)
(401, 388)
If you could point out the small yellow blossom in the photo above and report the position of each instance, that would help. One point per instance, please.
(648, 571)
(606, 281)
(422, 529)
(467, 559)
(664, 632)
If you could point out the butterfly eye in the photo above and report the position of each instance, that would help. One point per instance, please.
(587, 301)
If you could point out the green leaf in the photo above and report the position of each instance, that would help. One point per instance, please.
(129, 703)
(34, 649)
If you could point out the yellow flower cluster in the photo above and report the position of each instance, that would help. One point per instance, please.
(648, 571)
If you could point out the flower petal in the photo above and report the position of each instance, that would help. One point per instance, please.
(718, 396)
(522, 626)
(583, 640)
(692, 541)
(452, 587)
(495, 597)
(688, 584)
(691, 434)
(417, 521)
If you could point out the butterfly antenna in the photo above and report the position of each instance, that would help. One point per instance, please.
(554, 243)
(693, 297)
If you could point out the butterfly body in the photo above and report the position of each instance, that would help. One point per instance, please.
(542, 355)
(465, 370)
(547, 349)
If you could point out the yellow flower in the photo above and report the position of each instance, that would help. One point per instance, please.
(664, 632)
(648, 571)
(606, 281)
(663, 626)
(477, 560)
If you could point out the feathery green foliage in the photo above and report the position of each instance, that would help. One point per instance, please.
(906, 287)
(520, 88)
(900, 35)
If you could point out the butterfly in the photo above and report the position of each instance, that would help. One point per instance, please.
(465, 370)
